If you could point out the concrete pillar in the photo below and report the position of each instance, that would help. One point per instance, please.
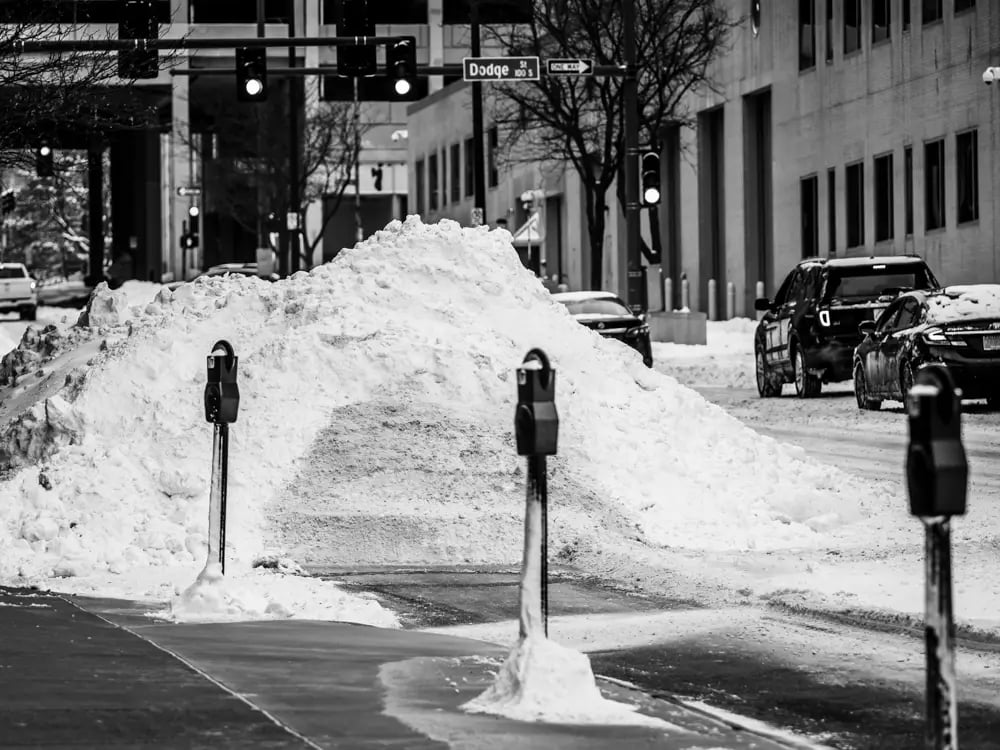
(435, 29)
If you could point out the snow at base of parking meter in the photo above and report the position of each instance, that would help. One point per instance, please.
(111, 495)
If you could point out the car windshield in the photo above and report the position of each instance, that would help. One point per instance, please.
(964, 302)
(597, 307)
(876, 281)
(12, 272)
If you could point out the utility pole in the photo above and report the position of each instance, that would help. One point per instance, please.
(478, 151)
(635, 278)
(359, 232)
(293, 151)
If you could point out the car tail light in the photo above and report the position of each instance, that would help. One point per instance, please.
(824, 317)
(938, 337)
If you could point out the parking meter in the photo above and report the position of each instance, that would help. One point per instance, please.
(222, 394)
(937, 471)
(536, 423)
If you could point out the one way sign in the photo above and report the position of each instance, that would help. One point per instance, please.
(577, 67)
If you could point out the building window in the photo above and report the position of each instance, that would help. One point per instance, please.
(961, 5)
(852, 26)
(470, 167)
(906, 14)
(855, 184)
(419, 179)
(883, 198)
(930, 11)
(829, 31)
(492, 140)
(881, 16)
(908, 188)
(455, 165)
(934, 184)
(432, 169)
(809, 192)
(966, 163)
(807, 34)
(831, 208)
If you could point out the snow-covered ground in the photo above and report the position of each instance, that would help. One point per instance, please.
(375, 426)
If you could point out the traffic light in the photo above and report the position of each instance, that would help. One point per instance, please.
(44, 166)
(8, 202)
(138, 22)
(251, 74)
(193, 213)
(650, 169)
(355, 60)
(401, 65)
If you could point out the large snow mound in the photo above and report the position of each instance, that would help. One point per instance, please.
(378, 395)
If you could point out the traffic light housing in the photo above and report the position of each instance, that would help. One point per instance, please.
(138, 21)
(251, 74)
(401, 65)
(44, 161)
(355, 60)
(650, 170)
(193, 222)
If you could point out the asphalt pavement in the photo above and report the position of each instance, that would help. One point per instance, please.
(96, 673)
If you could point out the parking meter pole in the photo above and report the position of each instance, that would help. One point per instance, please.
(217, 498)
(937, 478)
(939, 632)
(536, 426)
(222, 401)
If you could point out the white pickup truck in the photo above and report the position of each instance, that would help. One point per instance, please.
(17, 290)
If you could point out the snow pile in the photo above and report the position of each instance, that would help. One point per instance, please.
(377, 402)
(968, 301)
(726, 360)
(543, 681)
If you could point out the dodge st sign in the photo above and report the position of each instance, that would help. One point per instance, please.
(500, 69)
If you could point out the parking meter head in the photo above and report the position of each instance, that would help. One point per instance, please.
(937, 471)
(222, 394)
(536, 422)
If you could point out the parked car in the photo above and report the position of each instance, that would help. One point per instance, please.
(607, 314)
(243, 269)
(958, 327)
(18, 291)
(810, 329)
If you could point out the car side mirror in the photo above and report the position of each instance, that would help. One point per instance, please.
(866, 327)
(762, 303)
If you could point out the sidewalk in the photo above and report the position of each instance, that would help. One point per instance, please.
(99, 673)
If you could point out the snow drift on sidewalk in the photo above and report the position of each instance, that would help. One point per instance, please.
(415, 335)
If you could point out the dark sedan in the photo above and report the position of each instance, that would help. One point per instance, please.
(958, 326)
(607, 314)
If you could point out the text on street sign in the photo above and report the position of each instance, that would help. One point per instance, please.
(569, 67)
(500, 69)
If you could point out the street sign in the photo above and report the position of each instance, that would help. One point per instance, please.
(189, 191)
(569, 67)
(500, 69)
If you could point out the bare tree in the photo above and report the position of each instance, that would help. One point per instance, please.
(578, 119)
(78, 93)
(250, 175)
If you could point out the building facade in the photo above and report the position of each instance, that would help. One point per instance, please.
(838, 128)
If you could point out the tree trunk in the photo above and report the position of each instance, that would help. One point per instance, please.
(595, 200)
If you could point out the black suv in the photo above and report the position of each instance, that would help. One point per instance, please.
(810, 328)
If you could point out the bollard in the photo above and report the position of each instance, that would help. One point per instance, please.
(668, 294)
(937, 475)
(685, 295)
(536, 428)
(713, 299)
(760, 295)
(222, 402)
(730, 301)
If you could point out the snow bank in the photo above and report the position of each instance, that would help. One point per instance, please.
(377, 407)
(726, 359)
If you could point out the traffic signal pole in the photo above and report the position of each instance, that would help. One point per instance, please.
(293, 153)
(478, 150)
(635, 286)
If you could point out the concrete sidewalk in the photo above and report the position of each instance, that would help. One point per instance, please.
(78, 672)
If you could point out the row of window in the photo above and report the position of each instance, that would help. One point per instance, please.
(880, 19)
(966, 181)
(448, 175)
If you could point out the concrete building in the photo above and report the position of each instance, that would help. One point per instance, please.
(839, 128)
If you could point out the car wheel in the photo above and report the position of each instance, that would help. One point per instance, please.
(865, 402)
(768, 386)
(905, 379)
(807, 385)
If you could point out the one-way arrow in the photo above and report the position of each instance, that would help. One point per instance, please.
(569, 67)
